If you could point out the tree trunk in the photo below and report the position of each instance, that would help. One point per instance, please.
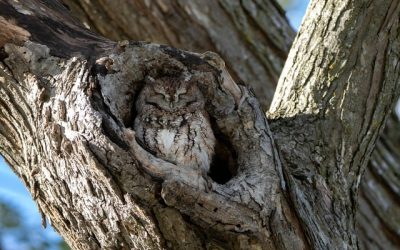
(253, 36)
(66, 129)
(339, 74)
(378, 213)
(376, 227)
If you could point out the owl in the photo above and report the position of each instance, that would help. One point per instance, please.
(171, 122)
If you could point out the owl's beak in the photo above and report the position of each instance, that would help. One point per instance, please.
(175, 101)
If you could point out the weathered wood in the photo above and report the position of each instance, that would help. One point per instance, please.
(270, 20)
(378, 211)
(338, 85)
(88, 175)
(66, 129)
(252, 36)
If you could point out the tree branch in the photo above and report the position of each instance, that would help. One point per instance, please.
(258, 32)
(337, 88)
(76, 106)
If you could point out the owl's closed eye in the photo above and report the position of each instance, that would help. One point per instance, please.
(171, 96)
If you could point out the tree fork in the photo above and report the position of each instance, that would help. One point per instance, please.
(259, 35)
(66, 116)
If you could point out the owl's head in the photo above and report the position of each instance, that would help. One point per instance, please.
(172, 94)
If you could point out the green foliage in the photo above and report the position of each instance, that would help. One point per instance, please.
(8, 217)
(29, 237)
(286, 3)
(63, 246)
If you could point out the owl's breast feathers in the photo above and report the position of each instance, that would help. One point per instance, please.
(184, 139)
(172, 123)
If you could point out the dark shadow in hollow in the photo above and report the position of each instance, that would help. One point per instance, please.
(224, 164)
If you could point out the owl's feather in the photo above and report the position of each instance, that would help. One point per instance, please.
(171, 122)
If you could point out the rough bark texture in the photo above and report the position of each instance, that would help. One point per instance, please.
(379, 196)
(340, 82)
(65, 128)
(252, 36)
(68, 120)
(376, 227)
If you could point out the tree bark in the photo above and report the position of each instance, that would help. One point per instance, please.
(378, 210)
(65, 128)
(252, 36)
(375, 226)
(339, 81)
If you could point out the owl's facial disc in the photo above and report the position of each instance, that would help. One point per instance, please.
(173, 96)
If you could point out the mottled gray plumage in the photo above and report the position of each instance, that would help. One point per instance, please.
(171, 122)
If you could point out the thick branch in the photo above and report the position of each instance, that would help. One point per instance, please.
(71, 116)
(380, 194)
(106, 154)
(113, 24)
(252, 36)
(341, 80)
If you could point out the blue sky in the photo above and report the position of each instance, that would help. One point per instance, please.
(295, 12)
(14, 192)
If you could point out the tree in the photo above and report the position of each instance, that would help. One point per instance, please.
(66, 114)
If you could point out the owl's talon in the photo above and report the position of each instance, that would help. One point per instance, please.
(208, 183)
(245, 95)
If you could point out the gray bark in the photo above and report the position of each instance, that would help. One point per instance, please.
(252, 36)
(378, 211)
(65, 127)
(340, 81)
(375, 226)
